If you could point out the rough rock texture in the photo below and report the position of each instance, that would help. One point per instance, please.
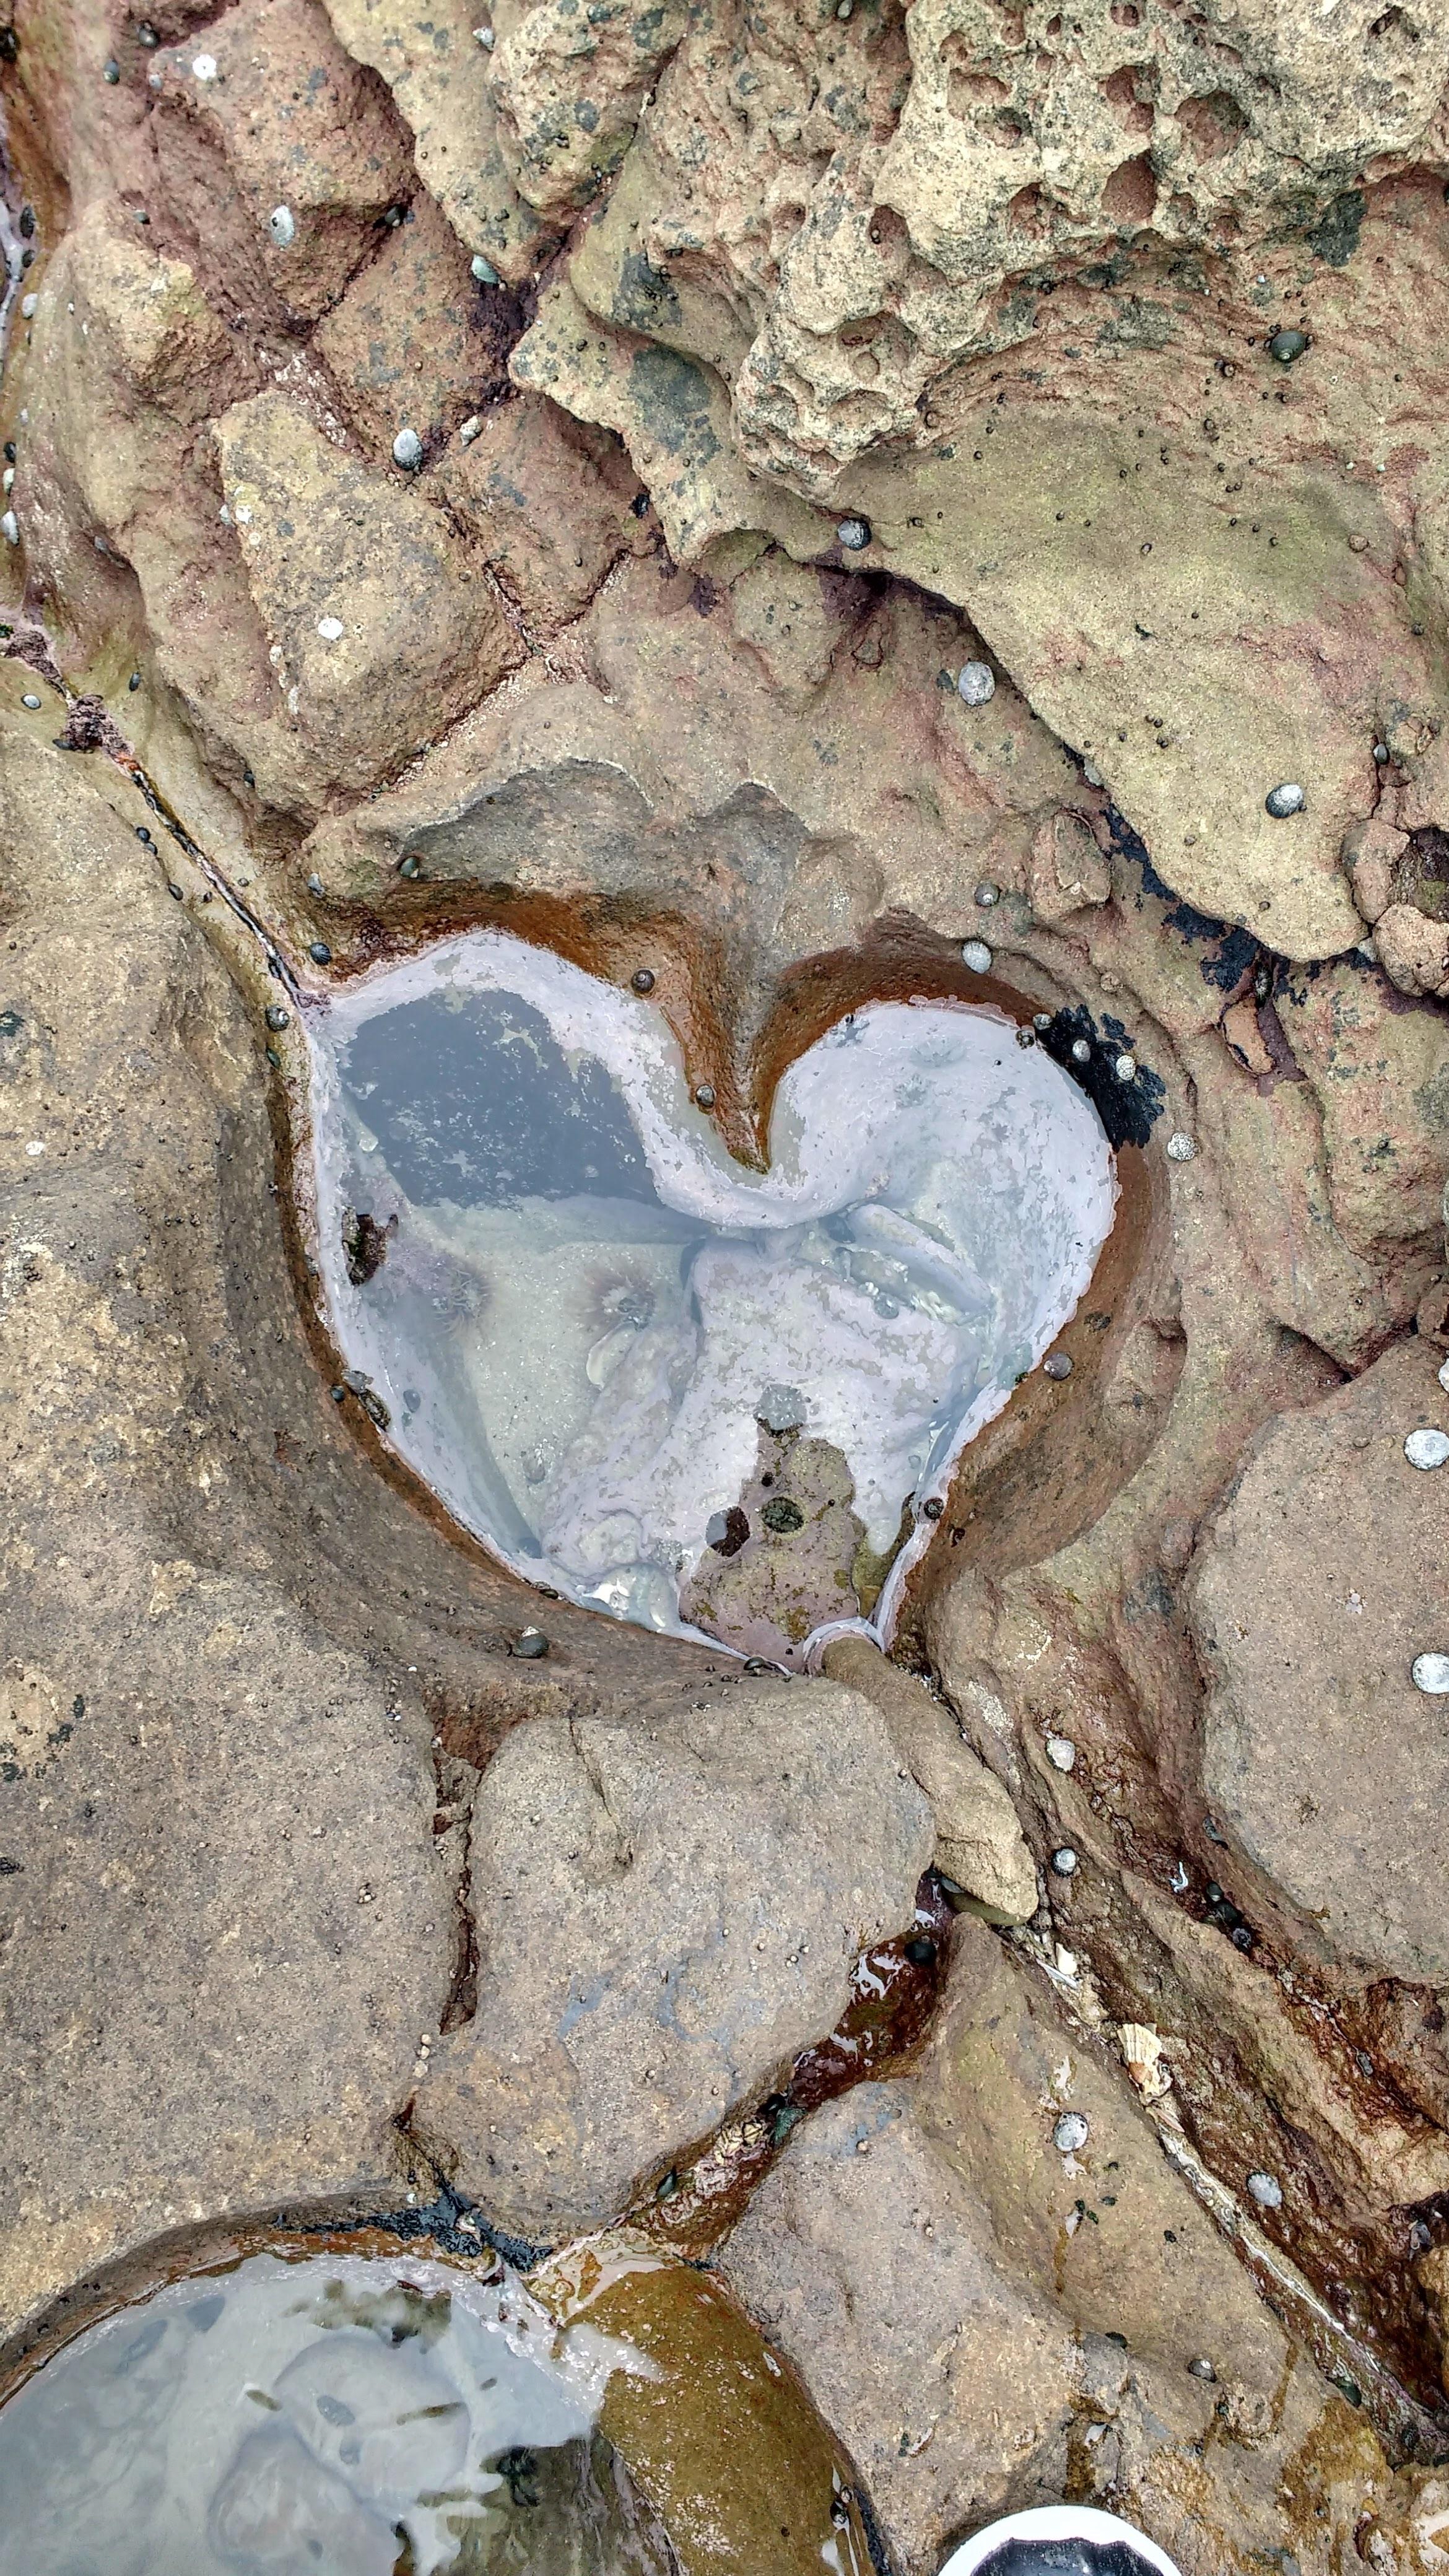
(990, 2321)
(1010, 289)
(979, 1843)
(664, 1915)
(1312, 1590)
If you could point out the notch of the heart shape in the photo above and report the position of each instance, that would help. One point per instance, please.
(590, 1404)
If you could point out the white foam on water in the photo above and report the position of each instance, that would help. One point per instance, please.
(588, 1367)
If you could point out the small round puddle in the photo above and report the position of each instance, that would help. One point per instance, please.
(710, 1399)
(342, 2415)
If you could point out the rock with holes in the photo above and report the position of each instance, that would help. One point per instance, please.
(1312, 1591)
(663, 1914)
(1413, 949)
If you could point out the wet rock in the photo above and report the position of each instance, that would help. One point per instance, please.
(663, 1915)
(322, 538)
(974, 2314)
(1309, 1594)
(979, 1843)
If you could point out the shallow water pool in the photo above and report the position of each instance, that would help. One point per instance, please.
(590, 1329)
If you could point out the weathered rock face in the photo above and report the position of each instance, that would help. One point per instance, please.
(1312, 1591)
(663, 1916)
(991, 2320)
(1010, 292)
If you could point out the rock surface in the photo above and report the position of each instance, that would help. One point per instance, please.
(664, 1915)
(989, 2321)
(1312, 1592)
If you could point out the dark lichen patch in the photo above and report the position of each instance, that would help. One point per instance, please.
(1335, 237)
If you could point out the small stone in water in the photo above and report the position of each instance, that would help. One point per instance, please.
(1267, 2191)
(854, 534)
(1057, 1364)
(1180, 1148)
(1081, 1051)
(977, 956)
(1285, 346)
(320, 953)
(1125, 1068)
(1064, 1861)
(1061, 1752)
(1427, 1448)
(977, 684)
(987, 893)
(642, 980)
(282, 225)
(277, 1018)
(1071, 2132)
(1285, 800)
(932, 1508)
(407, 450)
(781, 1408)
(1431, 1674)
(531, 1643)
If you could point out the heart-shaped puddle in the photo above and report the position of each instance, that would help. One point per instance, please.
(687, 1393)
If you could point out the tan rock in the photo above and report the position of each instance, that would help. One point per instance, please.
(415, 342)
(979, 1843)
(292, 122)
(326, 542)
(1383, 2159)
(568, 92)
(665, 1913)
(1413, 950)
(550, 514)
(1374, 852)
(1311, 1593)
(1240, 1028)
(1068, 871)
(438, 74)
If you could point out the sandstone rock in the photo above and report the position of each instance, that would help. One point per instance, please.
(225, 1919)
(972, 2308)
(549, 515)
(1413, 950)
(1374, 852)
(568, 94)
(1382, 2159)
(438, 74)
(415, 340)
(877, 207)
(324, 541)
(1068, 870)
(1380, 1080)
(664, 1915)
(979, 1843)
(292, 122)
(1311, 1593)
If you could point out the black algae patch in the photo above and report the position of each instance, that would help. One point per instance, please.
(1128, 1110)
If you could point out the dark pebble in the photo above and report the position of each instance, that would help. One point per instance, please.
(320, 953)
(854, 534)
(410, 867)
(143, 835)
(704, 1095)
(932, 1509)
(757, 1664)
(531, 1644)
(339, 1393)
(277, 1018)
(920, 1953)
(1285, 346)
(642, 980)
(113, 72)
(134, 682)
